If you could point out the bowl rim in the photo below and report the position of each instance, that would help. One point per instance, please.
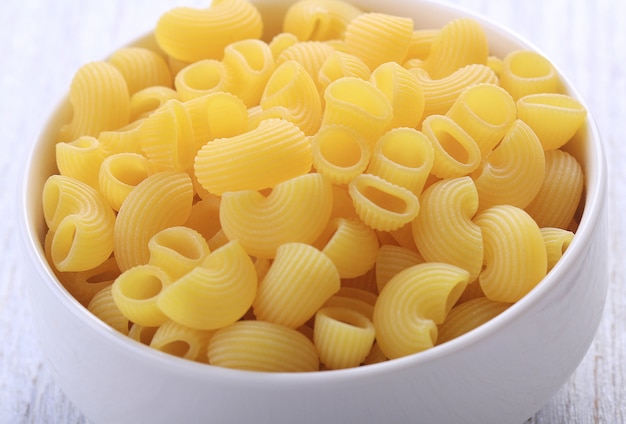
(594, 209)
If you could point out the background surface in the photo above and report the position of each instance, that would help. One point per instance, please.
(43, 43)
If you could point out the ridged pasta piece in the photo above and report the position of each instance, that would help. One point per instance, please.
(342, 203)
(274, 152)
(218, 240)
(561, 191)
(177, 250)
(262, 346)
(184, 342)
(382, 205)
(146, 101)
(527, 72)
(103, 307)
(404, 92)
(486, 112)
(249, 65)
(201, 78)
(295, 211)
(444, 231)
(339, 153)
(216, 115)
(167, 136)
(190, 35)
(554, 117)
(377, 38)
(136, 291)
(375, 356)
(310, 54)
(421, 43)
(99, 99)
(460, 42)
(339, 65)
(84, 285)
(292, 90)
(413, 303)
(515, 257)
(358, 104)
(80, 159)
(142, 334)
(403, 156)
(495, 63)
(122, 140)
(120, 174)
(141, 68)
(440, 94)
(343, 337)
(557, 240)
(81, 222)
(300, 280)
(393, 259)
(281, 42)
(456, 153)
(319, 20)
(513, 172)
(468, 316)
(214, 294)
(472, 291)
(160, 201)
(350, 244)
(205, 216)
(356, 299)
(403, 236)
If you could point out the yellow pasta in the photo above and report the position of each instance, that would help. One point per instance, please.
(262, 346)
(420, 45)
(205, 216)
(147, 100)
(100, 101)
(382, 205)
(560, 193)
(120, 173)
(142, 334)
(298, 283)
(122, 140)
(557, 241)
(555, 118)
(444, 231)
(182, 341)
(81, 223)
(295, 211)
(84, 285)
(350, 244)
(339, 153)
(486, 112)
(377, 38)
(513, 172)
(496, 64)
(141, 68)
(515, 257)
(281, 42)
(456, 153)
(343, 337)
(404, 92)
(440, 94)
(393, 259)
(310, 54)
(342, 203)
(135, 292)
(167, 136)
(291, 93)
(403, 156)
(80, 159)
(413, 303)
(356, 299)
(160, 201)
(275, 151)
(249, 65)
(319, 20)
(369, 112)
(459, 43)
(527, 72)
(468, 316)
(103, 307)
(200, 78)
(177, 250)
(194, 34)
(214, 294)
(340, 64)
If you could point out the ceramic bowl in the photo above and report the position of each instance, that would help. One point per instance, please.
(502, 372)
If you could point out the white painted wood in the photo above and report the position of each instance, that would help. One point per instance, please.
(43, 43)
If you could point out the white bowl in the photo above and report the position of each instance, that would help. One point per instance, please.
(502, 372)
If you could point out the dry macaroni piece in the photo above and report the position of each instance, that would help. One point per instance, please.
(351, 190)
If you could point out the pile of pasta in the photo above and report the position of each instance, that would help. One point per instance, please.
(349, 191)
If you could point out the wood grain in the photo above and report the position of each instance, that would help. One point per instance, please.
(43, 43)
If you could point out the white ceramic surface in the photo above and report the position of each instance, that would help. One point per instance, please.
(502, 372)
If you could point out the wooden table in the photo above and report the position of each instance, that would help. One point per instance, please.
(43, 43)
